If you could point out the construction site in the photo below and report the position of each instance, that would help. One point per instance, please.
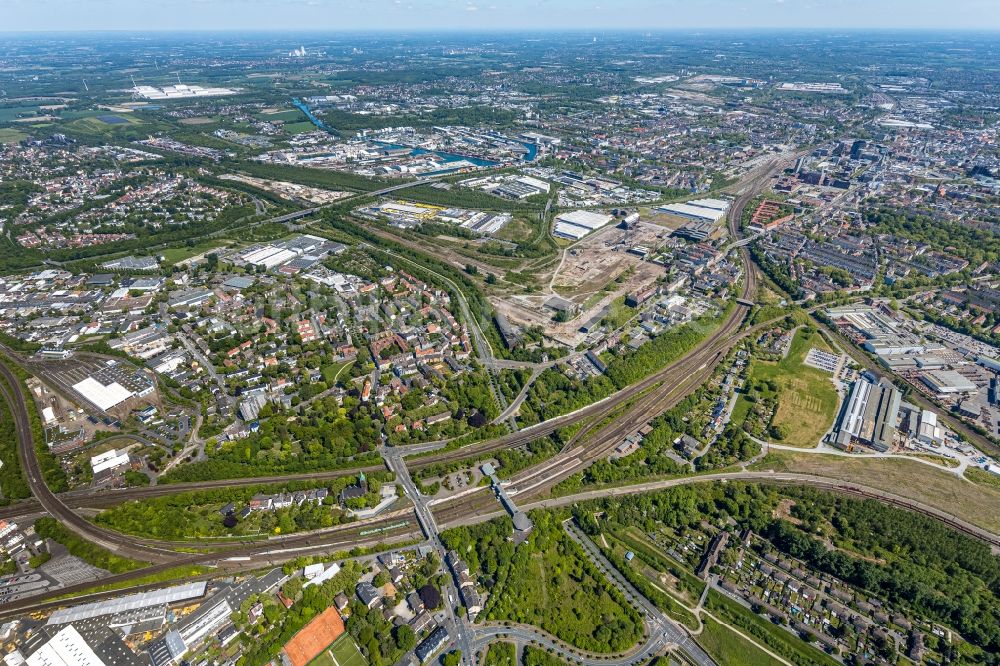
(591, 275)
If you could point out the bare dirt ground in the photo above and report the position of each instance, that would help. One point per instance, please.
(586, 274)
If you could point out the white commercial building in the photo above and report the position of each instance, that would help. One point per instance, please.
(947, 382)
(711, 210)
(66, 648)
(930, 432)
(108, 460)
(48, 415)
(579, 223)
(104, 397)
(269, 256)
(569, 231)
(988, 363)
(180, 91)
(129, 602)
(323, 575)
(538, 184)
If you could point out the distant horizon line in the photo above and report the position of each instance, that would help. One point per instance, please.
(510, 30)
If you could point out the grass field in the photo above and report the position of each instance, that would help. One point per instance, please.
(343, 652)
(740, 410)
(652, 583)
(289, 116)
(173, 255)
(300, 127)
(765, 632)
(11, 135)
(97, 126)
(333, 371)
(977, 503)
(807, 399)
(982, 476)
(679, 580)
(729, 649)
(9, 113)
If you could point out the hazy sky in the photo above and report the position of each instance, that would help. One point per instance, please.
(492, 14)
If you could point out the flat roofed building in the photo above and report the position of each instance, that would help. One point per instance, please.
(166, 596)
(569, 231)
(431, 644)
(692, 212)
(869, 415)
(68, 647)
(947, 382)
(929, 432)
(715, 204)
(103, 397)
(988, 363)
(585, 218)
(108, 460)
(560, 304)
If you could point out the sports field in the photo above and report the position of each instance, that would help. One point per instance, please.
(343, 652)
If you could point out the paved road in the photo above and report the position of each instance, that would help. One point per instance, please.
(463, 634)
(261, 554)
(528, 635)
(17, 401)
(659, 624)
(847, 487)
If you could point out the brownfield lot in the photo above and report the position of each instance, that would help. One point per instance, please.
(976, 503)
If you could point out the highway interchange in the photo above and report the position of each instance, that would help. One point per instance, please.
(604, 424)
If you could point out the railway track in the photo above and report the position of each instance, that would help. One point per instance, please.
(14, 395)
(657, 393)
(102, 499)
(669, 386)
(238, 559)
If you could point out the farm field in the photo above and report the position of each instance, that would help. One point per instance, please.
(10, 135)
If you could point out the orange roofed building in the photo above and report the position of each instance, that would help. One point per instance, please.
(315, 637)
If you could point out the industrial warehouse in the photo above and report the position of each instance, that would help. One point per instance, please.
(574, 226)
(291, 255)
(869, 414)
(114, 384)
(710, 210)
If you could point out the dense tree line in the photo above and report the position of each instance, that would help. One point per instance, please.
(463, 197)
(13, 483)
(534, 656)
(553, 585)
(553, 393)
(547, 581)
(52, 471)
(196, 513)
(778, 272)
(501, 653)
(49, 528)
(327, 436)
(973, 244)
(262, 641)
(909, 560)
(321, 178)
